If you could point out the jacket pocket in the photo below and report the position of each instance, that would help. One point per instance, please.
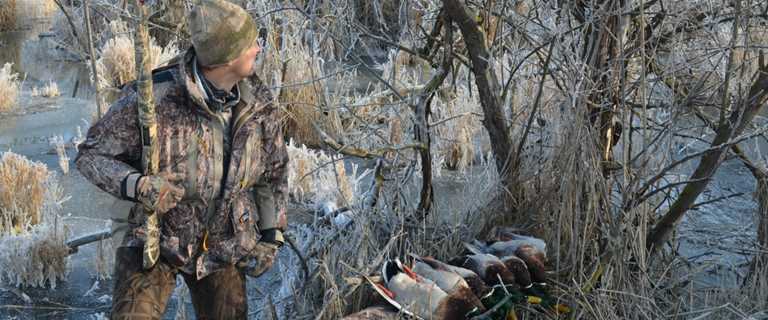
(243, 216)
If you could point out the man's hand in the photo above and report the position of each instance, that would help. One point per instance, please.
(260, 260)
(160, 192)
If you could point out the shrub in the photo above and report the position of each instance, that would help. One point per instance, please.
(49, 90)
(31, 234)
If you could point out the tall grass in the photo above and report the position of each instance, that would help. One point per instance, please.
(24, 14)
(318, 178)
(61, 151)
(116, 64)
(293, 67)
(35, 10)
(22, 192)
(7, 15)
(37, 257)
(9, 88)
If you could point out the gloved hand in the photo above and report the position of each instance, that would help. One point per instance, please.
(260, 260)
(162, 192)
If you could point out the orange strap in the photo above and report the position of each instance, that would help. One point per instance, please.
(205, 241)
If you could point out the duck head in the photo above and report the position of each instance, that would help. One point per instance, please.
(487, 266)
(519, 269)
(535, 260)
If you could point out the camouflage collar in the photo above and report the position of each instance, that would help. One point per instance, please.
(220, 100)
(197, 93)
(194, 90)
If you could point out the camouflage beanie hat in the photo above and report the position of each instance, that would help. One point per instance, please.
(221, 31)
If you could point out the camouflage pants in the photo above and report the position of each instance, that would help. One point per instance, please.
(143, 294)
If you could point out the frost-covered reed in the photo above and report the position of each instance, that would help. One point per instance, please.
(9, 88)
(32, 234)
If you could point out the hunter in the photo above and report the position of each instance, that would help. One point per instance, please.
(221, 191)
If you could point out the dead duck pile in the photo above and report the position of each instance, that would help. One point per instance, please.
(488, 282)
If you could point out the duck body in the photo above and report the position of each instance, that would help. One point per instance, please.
(489, 267)
(419, 292)
(374, 313)
(449, 281)
(519, 269)
(534, 259)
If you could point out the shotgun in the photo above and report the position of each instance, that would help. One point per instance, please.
(148, 123)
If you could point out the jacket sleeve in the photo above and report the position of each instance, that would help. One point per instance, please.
(272, 189)
(112, 148)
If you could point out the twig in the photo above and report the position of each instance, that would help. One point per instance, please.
(71, 24)
(516, 162)
(468, 113)
(663, 172)
(487, 314)
(361, 153)
(718, 199)
(17, 306)
(23, 296)
(304, 266)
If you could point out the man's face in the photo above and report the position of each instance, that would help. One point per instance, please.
(243, 65)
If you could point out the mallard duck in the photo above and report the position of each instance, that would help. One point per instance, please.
(447, 279)
(531, 250)
(474, 281)
(487, 266)
(508, 247)
(534, 259)
(519, 269)
(417, 295)
(478, 286)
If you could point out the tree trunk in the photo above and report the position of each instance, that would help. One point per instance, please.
(422, 110)
(487, 85)
(757, 279)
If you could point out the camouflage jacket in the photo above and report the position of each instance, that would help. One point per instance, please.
(227, 210)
